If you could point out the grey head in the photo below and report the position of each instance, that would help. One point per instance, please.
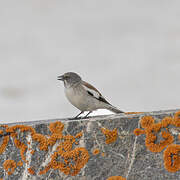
(70, 79)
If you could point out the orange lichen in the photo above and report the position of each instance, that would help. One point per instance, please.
(45, 170)
(79, 156)
(73, 159)
(79, 135)
(4, 144)
(103, 154)
(4, 126)
(20, 163)
(176, 120)
(152, 130)
(32, 152)
(138, 132)
(147, 121)
(151, 139)
(22, 128)
(172, 158)
(116, 178)
(43, 145)
(22, 148)
(31, 171)
(166, 121)
(54, 137)
(96, 151)
(56, 130)
(111, 136)
(9, 165)
(56, 127)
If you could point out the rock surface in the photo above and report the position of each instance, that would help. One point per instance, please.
(95, 148)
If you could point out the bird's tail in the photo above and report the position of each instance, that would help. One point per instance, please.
(114, 109)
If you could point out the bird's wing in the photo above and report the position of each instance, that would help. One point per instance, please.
(92, 91)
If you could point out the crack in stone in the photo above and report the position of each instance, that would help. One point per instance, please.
(117, 154)
(48, 156)
(133, 155)
(28, 157)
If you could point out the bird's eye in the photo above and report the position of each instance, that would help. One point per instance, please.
(66, 77)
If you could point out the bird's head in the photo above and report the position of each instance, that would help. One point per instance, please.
(70, 79)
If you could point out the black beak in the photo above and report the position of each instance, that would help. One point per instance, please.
(61, 78)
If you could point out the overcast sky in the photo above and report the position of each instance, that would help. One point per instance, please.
(129, 50)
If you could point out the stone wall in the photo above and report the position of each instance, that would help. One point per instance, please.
(129, 146)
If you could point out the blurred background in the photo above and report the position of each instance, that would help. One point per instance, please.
(129, 50)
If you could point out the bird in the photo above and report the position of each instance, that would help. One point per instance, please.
(83, 95)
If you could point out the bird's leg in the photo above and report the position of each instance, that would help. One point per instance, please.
(79, 114)
(87, 114)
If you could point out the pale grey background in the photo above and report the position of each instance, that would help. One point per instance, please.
(128, 49)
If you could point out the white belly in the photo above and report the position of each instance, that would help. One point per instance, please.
(80, 100)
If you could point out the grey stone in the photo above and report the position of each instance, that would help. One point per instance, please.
(127, 156)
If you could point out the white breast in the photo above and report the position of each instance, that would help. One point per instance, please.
(76, 98)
